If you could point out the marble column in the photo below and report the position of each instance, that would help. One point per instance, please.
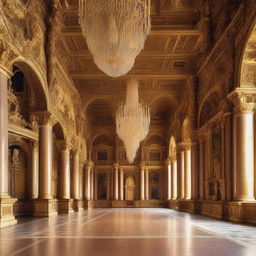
(116, 187)
(45, 205)
(243, 148)
(64, 192)
(228, 154)
(96, 185)
(121, 183)
(87, 193)
(6, 202)
(64, 202)
(181, 174)
(45, 161)
(169, 179)
(146, 183)
(195, 172)
(142, 179)
(92, 184)
(201, 169)
(174, 177)
(88, 180)
(187, 172)
(75, 176)
(34, 171)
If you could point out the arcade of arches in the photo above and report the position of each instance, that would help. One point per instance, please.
(59, 151)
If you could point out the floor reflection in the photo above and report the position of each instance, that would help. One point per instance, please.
(127, 232)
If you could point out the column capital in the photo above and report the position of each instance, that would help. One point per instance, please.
(44, 118)
(184, 146)
(89, 165)
(244, 99)
(167, 161)
(116, 165)
(142, 165)
(173, 158)
(34, 144)
(62, 145)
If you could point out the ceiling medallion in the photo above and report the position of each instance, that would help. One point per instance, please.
(132, 121)
(115, 32)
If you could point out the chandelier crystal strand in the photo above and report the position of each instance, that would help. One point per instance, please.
(115, 32)
(132, 121)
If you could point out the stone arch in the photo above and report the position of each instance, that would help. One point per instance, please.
(59, 131)
(155, 139)
(209, 106)
(102, 147)
(186, 130)
(19, 173)
(36, 84)
(102, 139)
(58, 135)
(247, 65)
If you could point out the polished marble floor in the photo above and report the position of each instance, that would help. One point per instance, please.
(127, 232)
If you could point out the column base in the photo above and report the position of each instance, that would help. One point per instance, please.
(78, 205)
(88, 204)
(150, 204)
(65, 206)
(173, 204)
(6, 212)
(191, 206)
(45, 207)
(119, 204)
(241, 211)
(213, 209)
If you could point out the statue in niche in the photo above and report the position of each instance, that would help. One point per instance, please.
(15, 159)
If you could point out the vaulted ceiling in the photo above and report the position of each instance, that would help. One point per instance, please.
(163, 67)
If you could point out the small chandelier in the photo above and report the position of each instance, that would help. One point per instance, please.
(132, 121)
(115, 32)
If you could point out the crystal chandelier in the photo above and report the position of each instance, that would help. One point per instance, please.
(115, 32)
(132, 121)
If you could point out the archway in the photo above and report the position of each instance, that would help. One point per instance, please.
(57, 136)
(19, 183)
(247, 73)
